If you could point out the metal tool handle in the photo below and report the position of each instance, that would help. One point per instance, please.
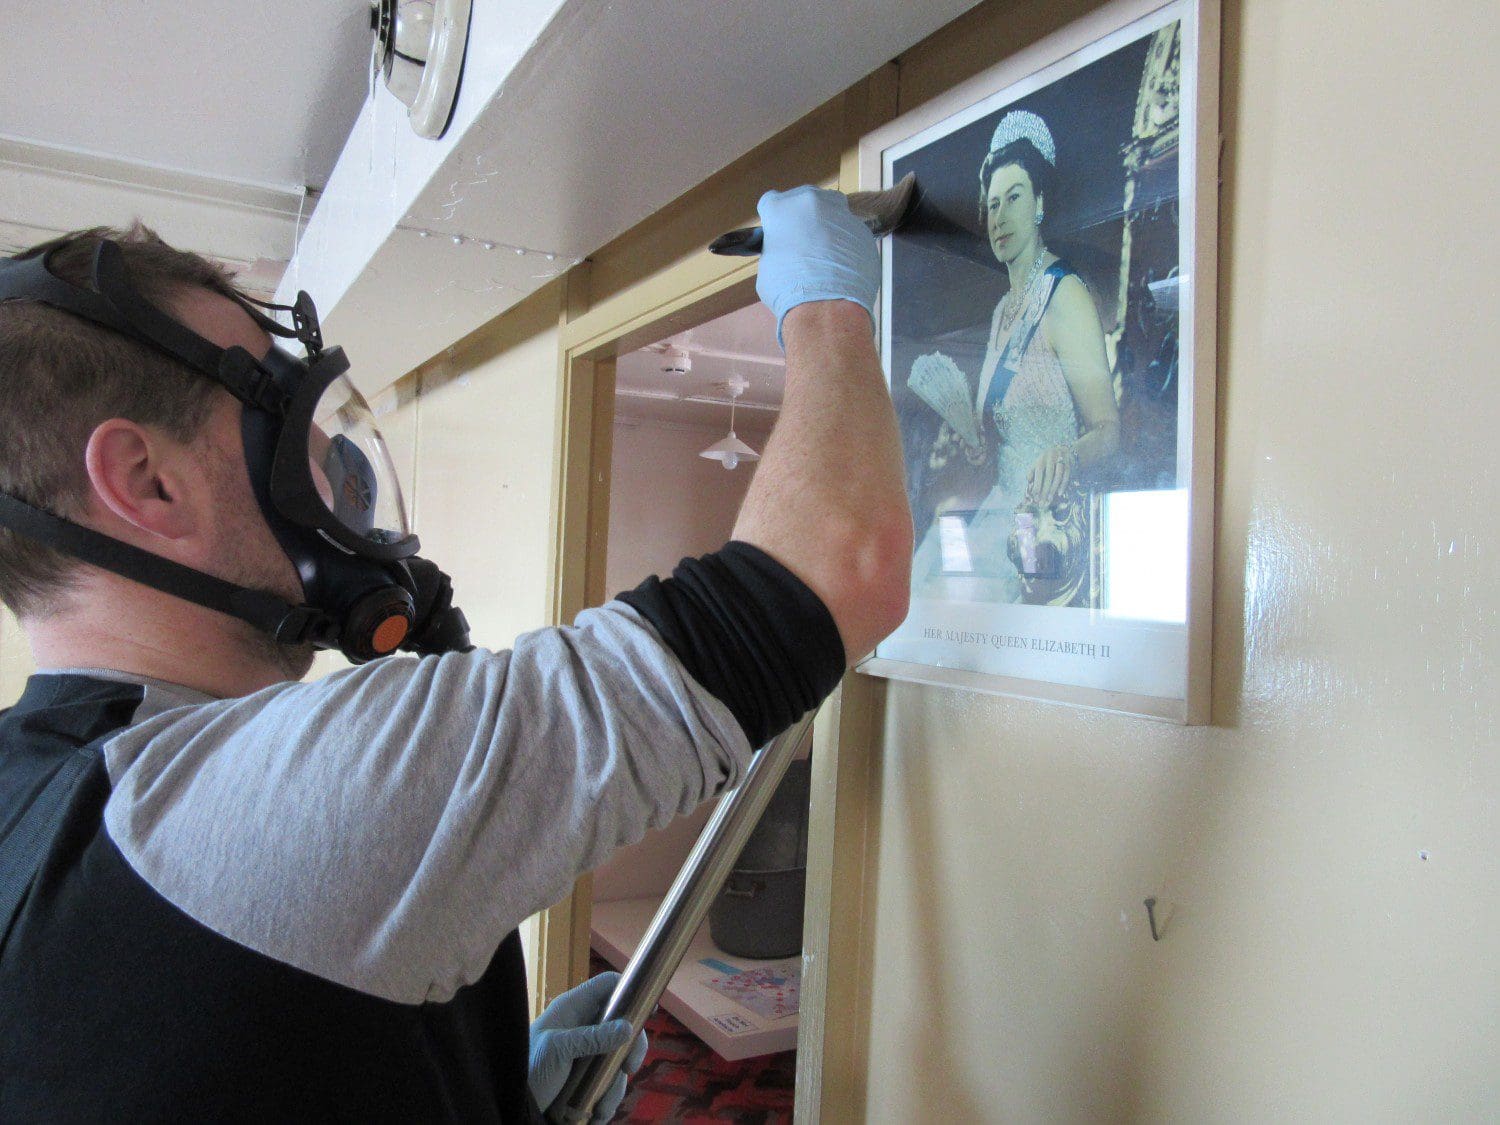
(677, 921)
(882, 211)
(743, 243)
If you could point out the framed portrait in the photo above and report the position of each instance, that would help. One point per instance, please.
(1047, 327)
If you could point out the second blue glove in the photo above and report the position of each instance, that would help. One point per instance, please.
(569, 1030)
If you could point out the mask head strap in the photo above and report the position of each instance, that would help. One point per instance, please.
(114, 303)
(289, 624)
(305, 327)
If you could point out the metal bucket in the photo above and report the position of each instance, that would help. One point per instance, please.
(758, 914)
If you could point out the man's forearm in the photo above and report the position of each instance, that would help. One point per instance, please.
(829, 497)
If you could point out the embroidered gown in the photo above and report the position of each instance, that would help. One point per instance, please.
(1024, 408)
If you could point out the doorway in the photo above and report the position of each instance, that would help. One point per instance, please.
(834, 1012)
(690, 414)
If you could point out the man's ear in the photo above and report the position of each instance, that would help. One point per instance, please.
(141, 476)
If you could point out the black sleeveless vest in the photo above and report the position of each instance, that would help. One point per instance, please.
(116, 1006)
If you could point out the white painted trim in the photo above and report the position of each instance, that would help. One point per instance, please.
(62, 160)
(576, 121)
(48, 190)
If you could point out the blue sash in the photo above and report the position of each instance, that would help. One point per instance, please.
(1015, 348)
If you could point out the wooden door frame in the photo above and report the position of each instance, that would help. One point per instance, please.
(698, 287)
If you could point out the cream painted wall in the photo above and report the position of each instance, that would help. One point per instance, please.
(15, 659)
(1329, 842)
(483, 500)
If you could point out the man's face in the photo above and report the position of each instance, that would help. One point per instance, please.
(242, 548)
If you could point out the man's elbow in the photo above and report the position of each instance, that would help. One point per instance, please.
(875, 594)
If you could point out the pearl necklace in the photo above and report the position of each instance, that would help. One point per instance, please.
(1015, 297)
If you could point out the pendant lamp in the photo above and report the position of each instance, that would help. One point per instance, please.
(731, 450)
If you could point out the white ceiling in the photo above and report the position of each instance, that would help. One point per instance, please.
(207, 121)
(576, 119)
(256, 92)
(741, 344)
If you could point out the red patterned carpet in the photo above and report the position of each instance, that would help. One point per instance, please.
(683, 1082)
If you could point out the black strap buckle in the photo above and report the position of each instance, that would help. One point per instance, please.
(251, 383)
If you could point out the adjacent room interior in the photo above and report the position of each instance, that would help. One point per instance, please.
(692, 413)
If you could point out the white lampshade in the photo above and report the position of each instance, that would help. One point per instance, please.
(731, 451)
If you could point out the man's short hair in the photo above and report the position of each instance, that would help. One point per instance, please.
(61, 376)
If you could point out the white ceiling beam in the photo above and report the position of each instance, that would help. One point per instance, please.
(577, 119)
(702, 400)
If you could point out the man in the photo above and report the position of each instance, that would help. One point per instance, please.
(250, 897)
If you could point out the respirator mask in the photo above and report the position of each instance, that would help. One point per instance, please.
(320, 470)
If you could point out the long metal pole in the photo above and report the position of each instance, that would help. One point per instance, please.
(677, 921)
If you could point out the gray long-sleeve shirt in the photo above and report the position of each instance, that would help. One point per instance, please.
(385, 827)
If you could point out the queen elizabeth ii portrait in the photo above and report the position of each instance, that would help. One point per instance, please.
(1032, 330)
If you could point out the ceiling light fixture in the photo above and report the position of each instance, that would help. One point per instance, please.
(419, 47)
(731, 450)
(676, 361)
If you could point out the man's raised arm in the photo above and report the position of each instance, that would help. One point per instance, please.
(829, 499)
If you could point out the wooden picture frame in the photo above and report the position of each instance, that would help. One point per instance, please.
(1060, 451)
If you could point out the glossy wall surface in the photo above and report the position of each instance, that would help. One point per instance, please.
(1329, 843)
(15, 659)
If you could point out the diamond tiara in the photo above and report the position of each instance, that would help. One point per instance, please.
(1023, 125)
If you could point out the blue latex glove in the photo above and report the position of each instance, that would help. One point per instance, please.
(569, 1029)
(814, 250)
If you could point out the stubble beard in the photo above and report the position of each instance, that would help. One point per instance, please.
(291, 661)
(250, 556)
